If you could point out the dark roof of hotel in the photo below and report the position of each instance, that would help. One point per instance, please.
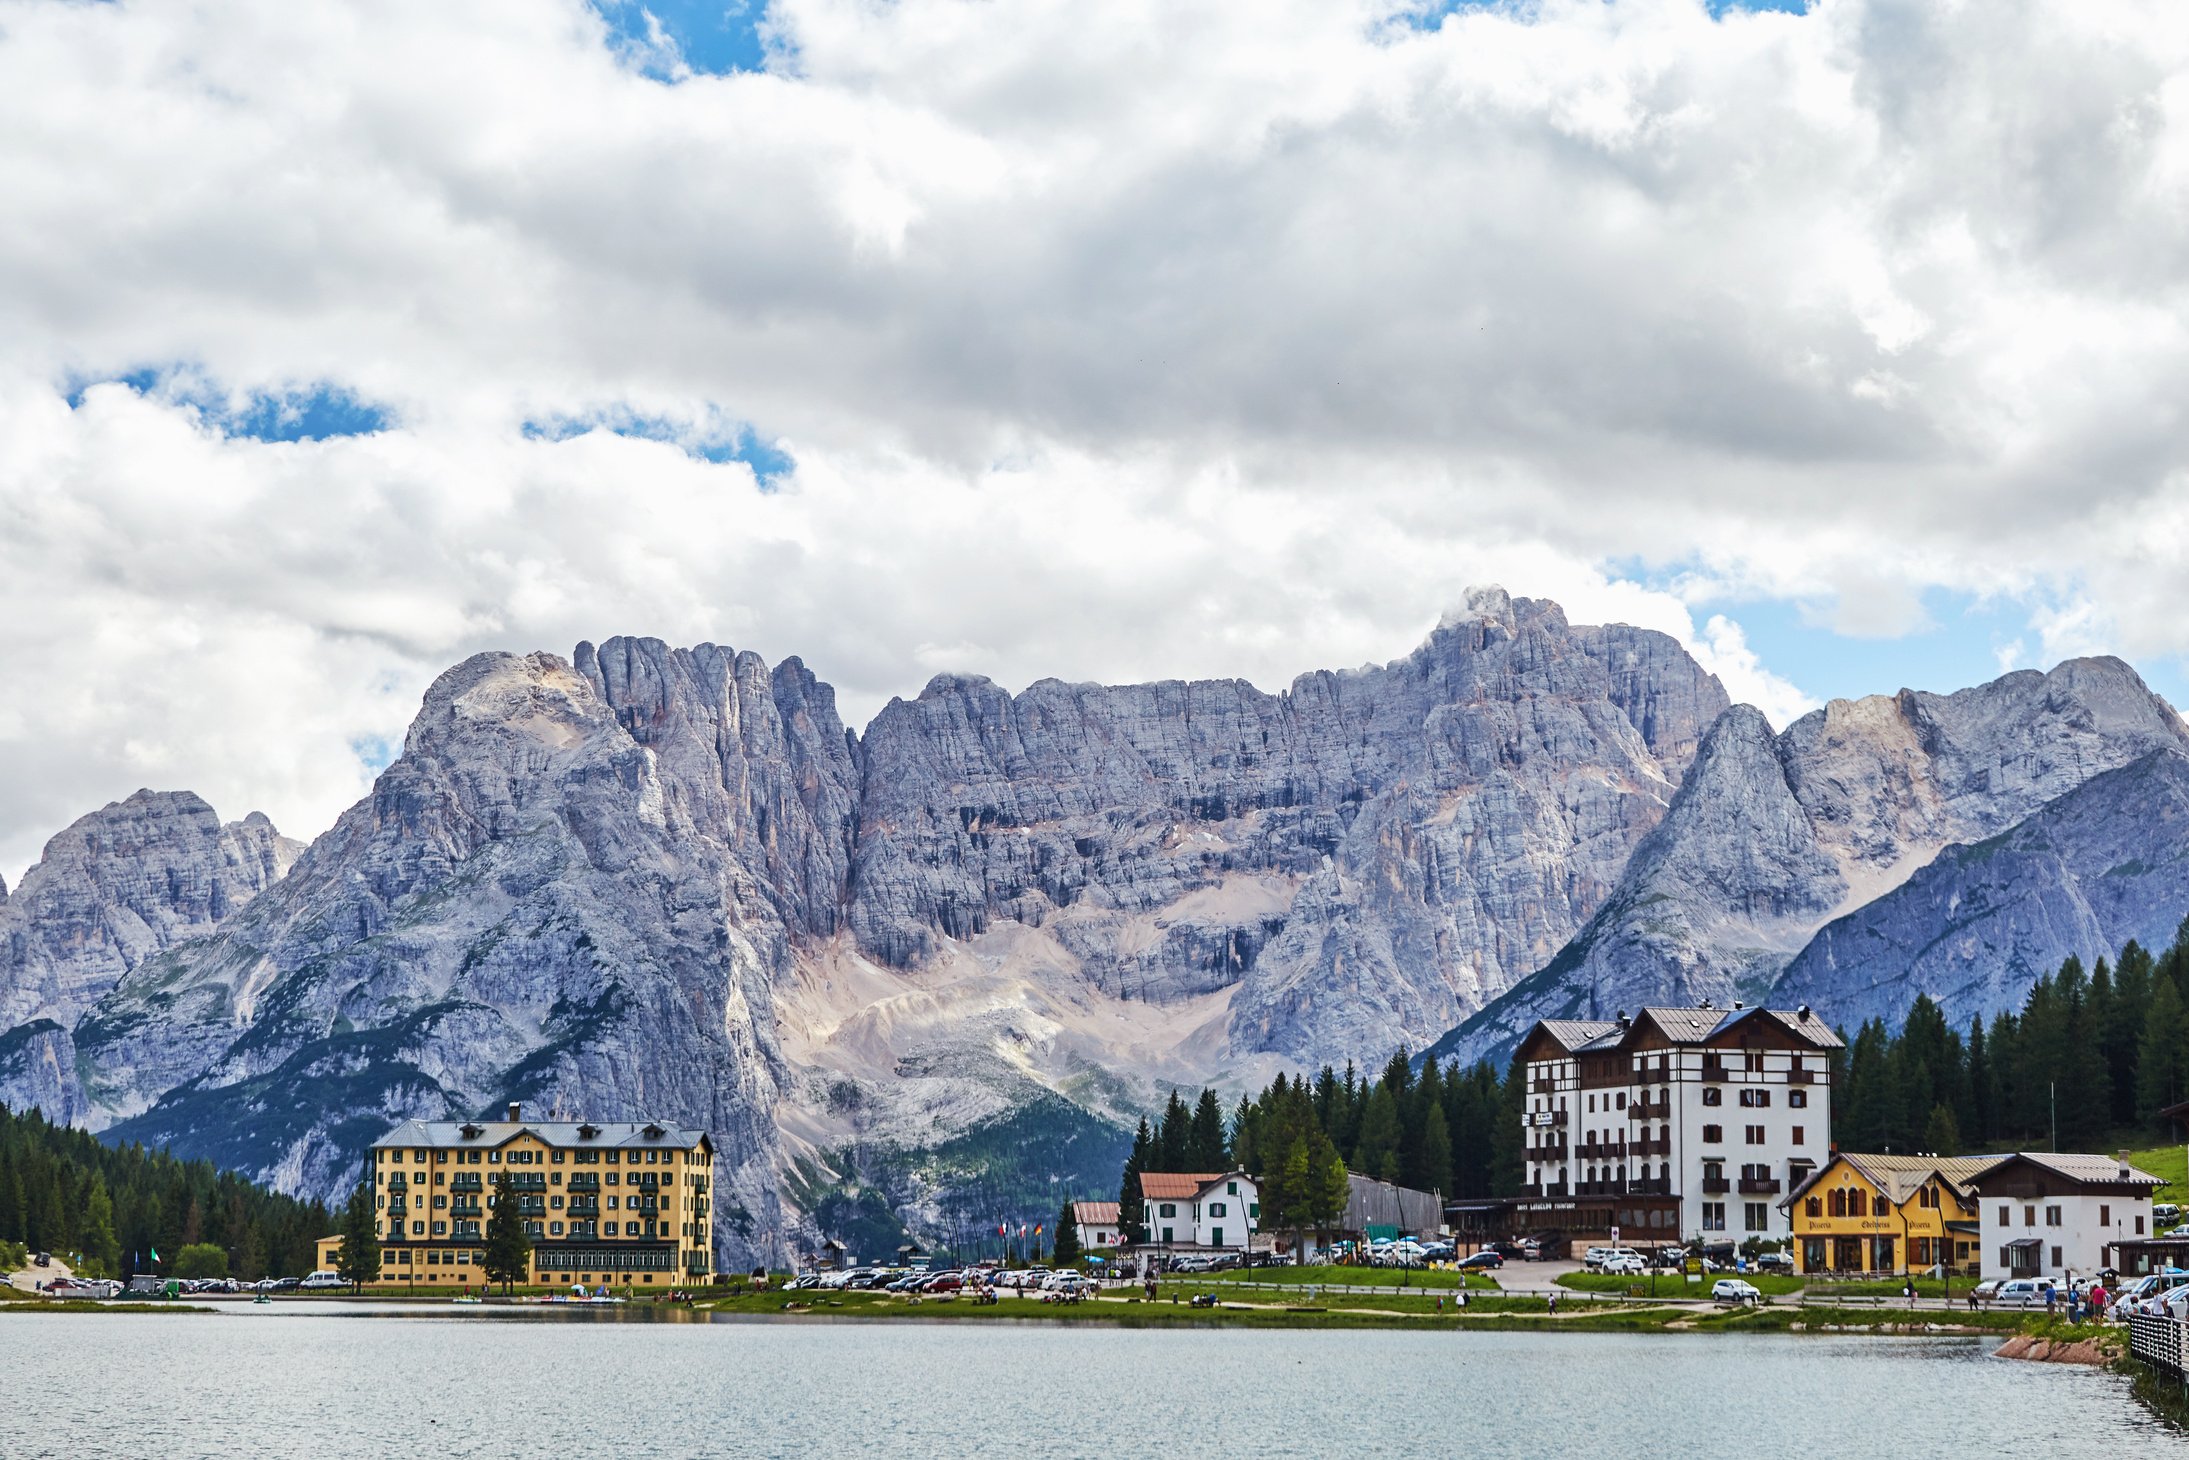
(448, 1134)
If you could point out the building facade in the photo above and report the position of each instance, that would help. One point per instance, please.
(620, 1203)
(1187, 1211)
(1862, 1213)
(2060, 1216)
(1675, 1124)
(1097, 1224)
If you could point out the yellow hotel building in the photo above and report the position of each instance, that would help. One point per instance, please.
(1888, 1214)
(626, 1204)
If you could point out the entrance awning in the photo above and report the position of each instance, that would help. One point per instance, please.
(2029, 1242)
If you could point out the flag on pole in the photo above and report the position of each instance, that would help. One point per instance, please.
(155, 1254)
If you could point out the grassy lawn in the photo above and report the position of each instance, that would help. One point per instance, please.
(1824, 1289)
(2166, 1163)
(1673, 1285)
(1363, 1277)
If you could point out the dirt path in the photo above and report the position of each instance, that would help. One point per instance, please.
(30, 1277)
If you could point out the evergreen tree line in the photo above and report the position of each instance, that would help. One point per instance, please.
(2099, 1051)
(1448, 1128)
(62, 1191)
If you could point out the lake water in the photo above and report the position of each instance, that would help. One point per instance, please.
(287, 1381)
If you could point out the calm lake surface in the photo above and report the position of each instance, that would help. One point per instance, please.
(288, 1381)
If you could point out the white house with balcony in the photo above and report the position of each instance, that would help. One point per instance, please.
(1097, 1224)
(2060, 1216)
(1200, 1211)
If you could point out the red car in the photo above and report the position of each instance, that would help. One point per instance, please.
(948, 1282)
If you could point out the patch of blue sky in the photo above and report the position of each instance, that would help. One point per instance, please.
(709, 37)
(1965, 640)
(375, 752)
(315, 412)
(1428, 14)
(717, 440)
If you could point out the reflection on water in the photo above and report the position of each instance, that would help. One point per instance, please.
(288, 1380)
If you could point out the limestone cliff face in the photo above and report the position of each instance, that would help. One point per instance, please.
(125, 882)
(1771, 837)
(1366, 856)
(2103, 864)
(576, 887)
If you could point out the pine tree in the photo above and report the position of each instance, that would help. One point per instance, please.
(2159, 1061)
(1436, 1153)
(1508, 1162)
(1942, 1133)
(1377, 1154)
(1205, 1146)
(101, 1249)
(1067, 1238)
(358, 1261)
(1175, 1136)
(1132, 1226)
(1244, 1154)
(508, 1249)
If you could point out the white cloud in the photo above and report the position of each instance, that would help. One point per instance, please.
(1191, 338)
(1723, 649)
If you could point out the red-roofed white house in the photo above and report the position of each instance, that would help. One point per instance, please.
(1097, 1223)
(1208, 1211)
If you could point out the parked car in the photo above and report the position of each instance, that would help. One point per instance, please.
(1775, 1262)
(1624, 1264)
(322, 1280)
(2019, 1293)
(943, 1282)
(1735, 1290)
(1483, 1261)
(1600, 1257)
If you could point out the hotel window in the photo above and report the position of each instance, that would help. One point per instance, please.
(1622, 1100)
(1755, 1099)
(2139, 1226)
(494, 1158)
(555, 1228)
(1759, 1218)
(1231, 1188)
(1712, 1095)
(1797, 1135)
(2029, 1216)
(1755, 1135)
(1713, 1135)
(1799, 1099)
(418, 1229)
(2105, 1216)
(2002, 1216)
(1216, 1208)
(2055, 1257)
(2052, 1216)
(1813, 1207)
(1713, 1216)
(609, 1228)
(1168, 1209)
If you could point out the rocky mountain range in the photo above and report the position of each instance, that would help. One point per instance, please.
(915, 974)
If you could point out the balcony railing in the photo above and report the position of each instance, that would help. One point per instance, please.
(1541, 1085)
(1801, 1077)
(1592, 1151)
(1714, 1074)
(1650, 1110)
(1651, 1186)
(1532, 1189)
(1651, 1148)
(1716, 1186)
(1759, 1185)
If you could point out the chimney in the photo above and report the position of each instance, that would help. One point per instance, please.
(1737, 1004)
(516, 1111)
(2123, 1158)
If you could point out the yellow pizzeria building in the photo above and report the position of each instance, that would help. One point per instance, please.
(620, 1203)
(1888, 1214)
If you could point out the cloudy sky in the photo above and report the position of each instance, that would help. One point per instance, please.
(1119, 340)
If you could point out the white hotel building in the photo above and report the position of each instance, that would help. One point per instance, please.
(1674, 1124)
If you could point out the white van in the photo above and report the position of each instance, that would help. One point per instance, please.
(322, 1280)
